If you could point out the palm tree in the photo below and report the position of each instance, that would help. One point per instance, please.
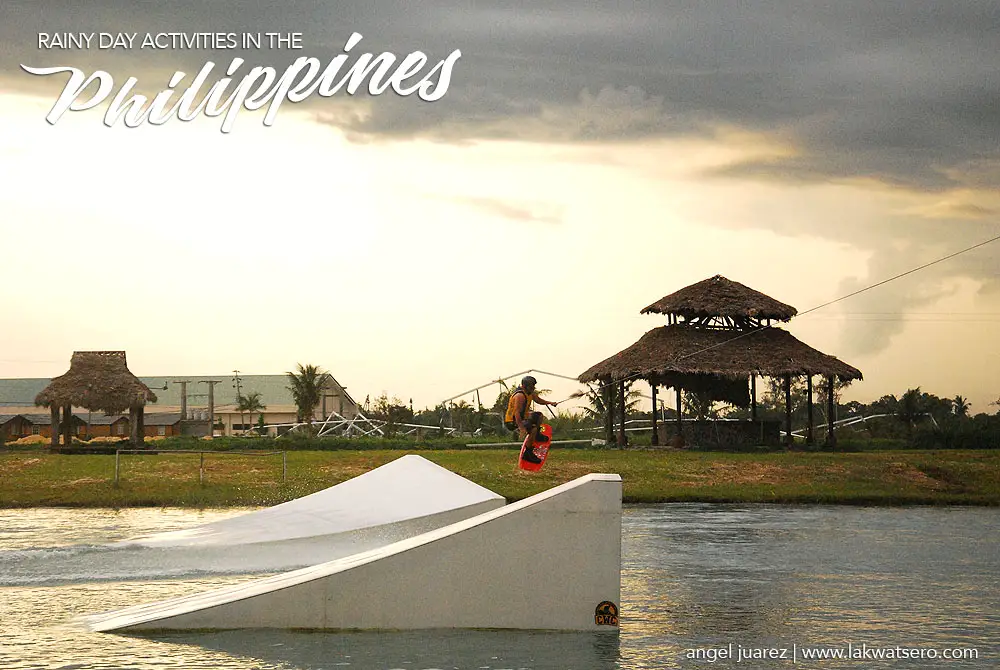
(596, 407)
(307, 385)
(251, 403)
(910, 408)
(960, 406)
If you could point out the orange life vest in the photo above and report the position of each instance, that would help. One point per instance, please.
(512, 406)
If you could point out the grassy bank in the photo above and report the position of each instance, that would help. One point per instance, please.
(35, 479)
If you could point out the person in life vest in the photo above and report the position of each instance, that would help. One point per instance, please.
(519, 416)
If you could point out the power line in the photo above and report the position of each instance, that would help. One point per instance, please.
(903, 274)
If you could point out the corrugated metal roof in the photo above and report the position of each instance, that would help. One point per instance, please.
(272, 388)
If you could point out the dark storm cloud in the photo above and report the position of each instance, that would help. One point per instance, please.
(898, 91)
(903, 92)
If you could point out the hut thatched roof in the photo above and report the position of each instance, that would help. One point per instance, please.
(718, 296)
(675, 351)
(97, 380)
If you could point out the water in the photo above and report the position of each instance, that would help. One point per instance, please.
(698, 581)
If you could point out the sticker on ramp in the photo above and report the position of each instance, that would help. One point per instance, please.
(606, 614)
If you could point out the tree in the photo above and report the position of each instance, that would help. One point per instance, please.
(250, 403)
(307, 385)
(700, 404)
(910, 408)
(887, 404)
(821, 391)
(856, 408)
(822, 388)
(595, 409)
(463, 416)
(960, 406)
(772, 402)
(500, 404)
(393, 411)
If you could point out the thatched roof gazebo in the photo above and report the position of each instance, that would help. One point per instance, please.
(718, 340)
(97, 381)
(721, 299)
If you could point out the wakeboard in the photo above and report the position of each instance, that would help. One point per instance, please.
(541, 446)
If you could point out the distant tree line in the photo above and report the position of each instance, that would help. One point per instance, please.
(915, 419)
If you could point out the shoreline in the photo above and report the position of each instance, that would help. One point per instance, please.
(36, 479)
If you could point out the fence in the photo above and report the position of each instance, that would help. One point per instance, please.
(201, 465)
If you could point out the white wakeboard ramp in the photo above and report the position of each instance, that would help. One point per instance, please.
(404, 497)
(551, 561)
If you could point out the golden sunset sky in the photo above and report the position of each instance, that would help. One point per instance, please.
(585, 162)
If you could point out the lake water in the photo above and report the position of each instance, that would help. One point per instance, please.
(699, 582)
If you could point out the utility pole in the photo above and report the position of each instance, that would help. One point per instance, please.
(237, 384)
(211, 404)
(184, 397)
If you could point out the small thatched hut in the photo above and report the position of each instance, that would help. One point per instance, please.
(97, 381)
(721, 302)
(717, 341)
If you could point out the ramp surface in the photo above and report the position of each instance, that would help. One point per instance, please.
(410, 490)
(547, 562)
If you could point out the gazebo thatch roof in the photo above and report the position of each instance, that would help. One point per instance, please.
(678, 351)
(97, 380)
(718, 296)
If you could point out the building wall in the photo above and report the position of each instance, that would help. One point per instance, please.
(121, 428)
(337, 400)
(162, 431)
(231, 421)
(108, 430)
(45, 429)
(15, 428)
(19, 427)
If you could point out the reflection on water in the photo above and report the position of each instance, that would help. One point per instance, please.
(50, 527)
(704, 576)
(423, 649)
(694, 576)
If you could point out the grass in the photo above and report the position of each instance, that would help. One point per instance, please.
(40, 479)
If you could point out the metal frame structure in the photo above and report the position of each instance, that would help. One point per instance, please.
(360, 426)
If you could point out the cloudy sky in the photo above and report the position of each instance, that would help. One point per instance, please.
(586, 159)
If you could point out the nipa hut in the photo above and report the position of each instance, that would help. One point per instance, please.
(96, 381)
(717, 341)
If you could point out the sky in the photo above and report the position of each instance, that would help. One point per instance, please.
(585, 160)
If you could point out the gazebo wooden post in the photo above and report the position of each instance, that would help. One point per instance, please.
(621, 412)
(608, 392)
(753, 397)
(133, 426)
(141, 420)
(788, 410)
(831, 438)
(809, 409)
(54, 413)
(654, 438)
(680, 428)
(67, 424)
